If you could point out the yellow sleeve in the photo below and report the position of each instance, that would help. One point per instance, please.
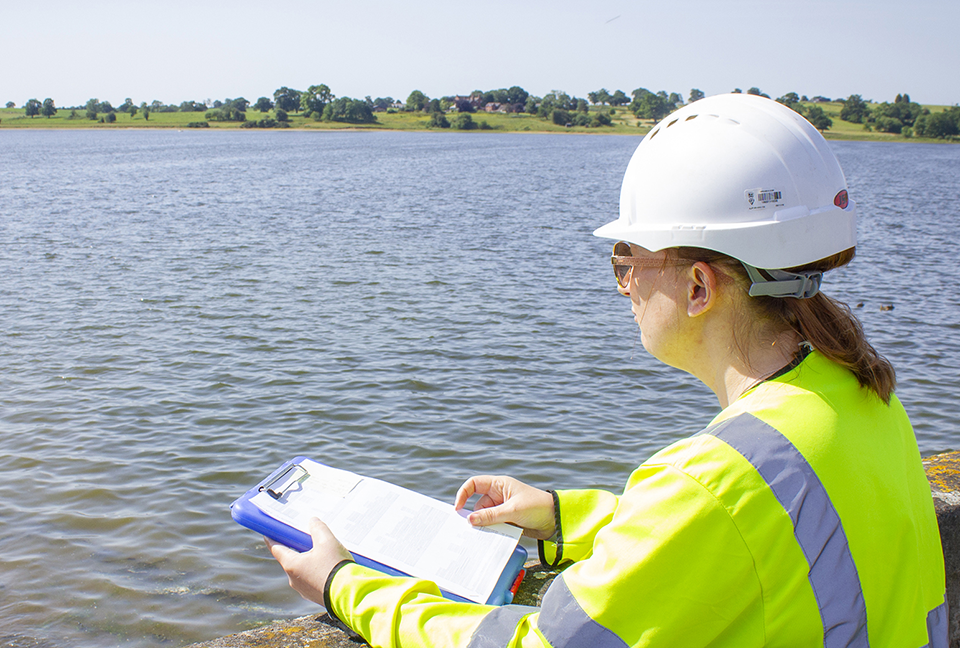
(580, 514)
(670, 569)
(391, 611)
(665, 566)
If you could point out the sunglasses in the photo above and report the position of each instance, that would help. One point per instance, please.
(623, 262)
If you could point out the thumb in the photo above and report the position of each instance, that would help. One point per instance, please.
(319, 532)
(488, 516)
(280, 552)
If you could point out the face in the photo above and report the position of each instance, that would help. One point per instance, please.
(656, 291)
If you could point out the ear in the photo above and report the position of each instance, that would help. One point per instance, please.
(701, 288)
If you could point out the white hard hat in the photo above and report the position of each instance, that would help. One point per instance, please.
(737, 174)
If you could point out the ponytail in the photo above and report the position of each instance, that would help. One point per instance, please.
(833, 330)
(827, 324)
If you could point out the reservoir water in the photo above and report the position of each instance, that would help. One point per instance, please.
(182, 311)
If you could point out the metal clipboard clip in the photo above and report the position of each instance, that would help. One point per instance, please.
(299, 473)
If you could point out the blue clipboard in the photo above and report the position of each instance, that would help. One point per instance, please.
(245, 513)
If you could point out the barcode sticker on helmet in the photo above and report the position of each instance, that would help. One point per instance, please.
(760, 198)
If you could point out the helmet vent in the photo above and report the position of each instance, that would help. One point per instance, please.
(690, 117)
(671, 123)
(654, 133)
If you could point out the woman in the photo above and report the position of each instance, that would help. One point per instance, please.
(799, 516)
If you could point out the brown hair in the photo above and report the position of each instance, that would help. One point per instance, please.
(827, 324)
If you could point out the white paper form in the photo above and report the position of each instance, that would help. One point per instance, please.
(397, 527)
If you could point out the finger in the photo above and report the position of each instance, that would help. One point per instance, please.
(485, 502)
(464, 493)
(476, 484)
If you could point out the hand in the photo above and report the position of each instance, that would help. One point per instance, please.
(308, 571)
(505, 499)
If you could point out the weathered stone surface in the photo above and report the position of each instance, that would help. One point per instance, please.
(943, 471)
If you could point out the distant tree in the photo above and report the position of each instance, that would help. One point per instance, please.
(517, 95)
(263, 105)
(32, 107)
(132, 111)
(239, 103)
(791, 100)
(463, 121)
(126, 105)
(315, 98)
(417, 100)
(695, 95)
(10, 104)
(282, 115)
(110, 117)
(48, 109)
(647, 105)
(817, 117)
(191, 106)
(582, 106)
(553, 101)
(439, 120)
(226, 113)
(601, 96)
(105, 107)
(91, 107)
(893, 117)
(345, 109)
(600, 119)
(939, 125)
(619, 98)
(286, 99)
(756, 91)
(560, 117)
(737, 91)
(464, 105)
(530, 106)
(855, 110)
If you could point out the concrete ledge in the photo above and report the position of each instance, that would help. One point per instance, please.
(943, 471)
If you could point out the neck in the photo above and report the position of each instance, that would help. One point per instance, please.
(735, 374)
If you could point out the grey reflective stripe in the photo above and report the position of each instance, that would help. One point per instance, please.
(816, 525)
(564, 623)
(498, 627)
(937, 624)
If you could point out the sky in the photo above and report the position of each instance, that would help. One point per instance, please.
(177, 50)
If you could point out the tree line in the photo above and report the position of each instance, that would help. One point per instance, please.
(902, 116)
(319, 103)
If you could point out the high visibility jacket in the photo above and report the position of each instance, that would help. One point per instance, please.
(801, 516)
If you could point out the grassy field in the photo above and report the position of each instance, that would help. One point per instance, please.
(624, 123)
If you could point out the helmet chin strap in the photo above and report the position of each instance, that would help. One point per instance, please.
(780, 283)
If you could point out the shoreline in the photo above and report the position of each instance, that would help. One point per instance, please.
(835, 137)
(623, 122)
